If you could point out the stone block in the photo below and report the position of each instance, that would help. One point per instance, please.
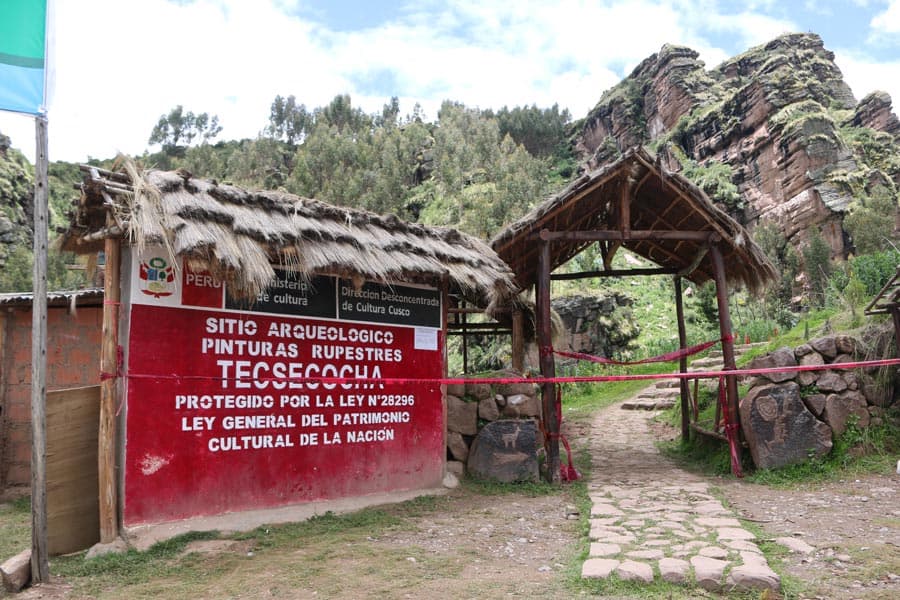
(825, 346)
(598, 568)
(846, 344)
(16, 571)
(708, 572)
(511, 389)
(456, 467)
(479, 391)
(505, 451)
(456, 389)
(840, 407)
(673, 570)
(520, 405)
(631, 570)
(815, 403)
(462, 416)
(779, 428)
(487, 409)
(457, 446)
(831, 381)
(783, 357)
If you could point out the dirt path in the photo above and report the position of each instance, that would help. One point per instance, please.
(472, 544)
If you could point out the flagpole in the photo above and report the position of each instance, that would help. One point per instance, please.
(40, 564)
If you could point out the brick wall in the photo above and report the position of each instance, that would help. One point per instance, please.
(73, 360)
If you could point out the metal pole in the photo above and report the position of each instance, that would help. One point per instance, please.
(40, 563)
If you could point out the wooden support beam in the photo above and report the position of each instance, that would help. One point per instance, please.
(518, 342)
(548, 365)
(625, 207)
(731, 390)
(109, 367)
(682, 363)
(637, 234)
(612, 273)
(611, 249)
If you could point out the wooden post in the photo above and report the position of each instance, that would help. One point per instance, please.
(518, 342)
(682, 363)
(548, 365)
(895, 316)
(465, 342)
(731, 391)
(109, 368)
(40, 558)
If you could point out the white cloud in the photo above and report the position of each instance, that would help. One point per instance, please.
(865, 76)
(120, 65)
(888, 21)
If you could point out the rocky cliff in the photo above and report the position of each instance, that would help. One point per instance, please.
(774, 134)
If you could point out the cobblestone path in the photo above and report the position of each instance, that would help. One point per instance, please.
(651, 520)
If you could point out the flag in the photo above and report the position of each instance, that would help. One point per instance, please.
(23, 34)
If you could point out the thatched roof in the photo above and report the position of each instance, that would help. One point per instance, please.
(238, 234)
(660, 202)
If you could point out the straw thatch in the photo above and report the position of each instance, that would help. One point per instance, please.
(659, 202)
(238, 235)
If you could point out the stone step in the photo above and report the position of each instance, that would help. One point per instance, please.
(649, 404)
(667, 384)
(658, 392)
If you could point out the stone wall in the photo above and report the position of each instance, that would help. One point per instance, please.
(790, 417)
(472, 407)
(600, 325)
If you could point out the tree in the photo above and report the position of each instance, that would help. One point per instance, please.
(541, 130)
(817, 266)
(178, 129)
(288, 121)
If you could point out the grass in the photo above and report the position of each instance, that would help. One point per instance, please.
(15, 527)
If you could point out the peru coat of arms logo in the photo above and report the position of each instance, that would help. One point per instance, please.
(157, 277)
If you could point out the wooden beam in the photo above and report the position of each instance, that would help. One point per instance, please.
(731, 390)
(109, 367)
(682, 362)
(637, 234)
(611, 249)
(518, 342)
(625, 207)
(548, 365)
(611, 273)
(40, 553)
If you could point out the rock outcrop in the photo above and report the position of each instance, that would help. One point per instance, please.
(788, 417)
(776, 116)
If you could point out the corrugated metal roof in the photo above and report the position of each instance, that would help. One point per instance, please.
(88, 296)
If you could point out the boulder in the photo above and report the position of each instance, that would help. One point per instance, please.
(846, 344)
(812, 358)
(831, 381)
(505, 451)
(511, 389)
(802, 350)
(783, 357)
(479, 391)
(825, 346)
(457, 446)
(840, 407)
(462, 416)
(16, 571)
(487, 409)
(778, 427)
(456, 389)
(876, 393)
(815, 403)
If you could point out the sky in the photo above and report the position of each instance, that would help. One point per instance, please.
(120, 65)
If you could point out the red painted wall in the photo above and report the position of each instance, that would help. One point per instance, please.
(73, 360)
(224, 412)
